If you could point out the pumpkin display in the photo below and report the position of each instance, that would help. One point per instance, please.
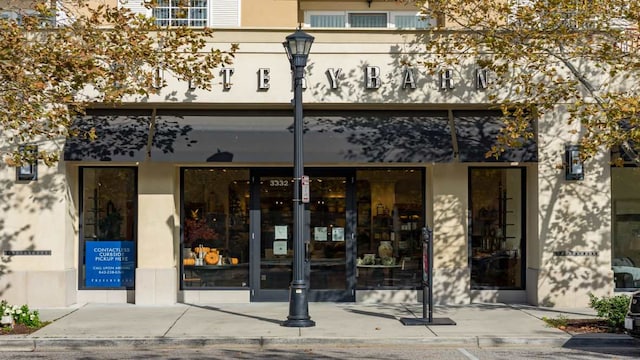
(234, 261)
(189, 261)
(212, 258)
(202, 249)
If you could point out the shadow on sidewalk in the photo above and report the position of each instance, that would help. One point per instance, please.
(370, 313)
(273, 321)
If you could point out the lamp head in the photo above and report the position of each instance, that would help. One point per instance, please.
(297, 47)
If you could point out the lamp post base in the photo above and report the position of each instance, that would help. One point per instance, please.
(299, 323)
(298, 308)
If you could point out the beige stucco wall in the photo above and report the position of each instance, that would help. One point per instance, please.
(156, 273)
(350, 52)
(35, 217)
(572, 216)
(269, 13)
(451, 277)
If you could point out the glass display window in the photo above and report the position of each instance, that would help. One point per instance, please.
(108, 211)
(625, 252)
(497, 227)
(390, 217)
(215, 228)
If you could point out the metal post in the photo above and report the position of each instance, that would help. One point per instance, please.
(427, 286)
(298, 301)
(430, 273)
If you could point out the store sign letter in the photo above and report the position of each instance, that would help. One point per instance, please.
(372, 75)
(446, 79)
(482, 76)
(226, 78)
(408, 79)
(333, 77)
(263, 79)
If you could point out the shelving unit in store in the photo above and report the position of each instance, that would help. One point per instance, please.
(91, 225)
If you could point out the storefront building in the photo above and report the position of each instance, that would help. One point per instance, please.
(187, 196)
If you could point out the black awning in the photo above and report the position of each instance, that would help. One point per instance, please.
(121, 135)
(476, 133)
(267, 137)
(329, 137)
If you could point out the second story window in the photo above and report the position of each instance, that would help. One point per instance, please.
(181, 13)
(21, 16)
(348, 19)
(368, 20)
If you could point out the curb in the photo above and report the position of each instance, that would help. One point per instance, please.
(67, 344)
(20, 344)
(601, 340)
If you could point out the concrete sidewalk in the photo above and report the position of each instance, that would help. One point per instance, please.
(184, 325)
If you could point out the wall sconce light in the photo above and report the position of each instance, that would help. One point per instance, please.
(574, 167)
(369, 2)
(28, 171)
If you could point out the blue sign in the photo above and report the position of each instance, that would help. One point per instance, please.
(110, 264)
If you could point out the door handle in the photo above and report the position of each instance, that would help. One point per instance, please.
(306, 252)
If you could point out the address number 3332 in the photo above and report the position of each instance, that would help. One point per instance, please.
(278, 182)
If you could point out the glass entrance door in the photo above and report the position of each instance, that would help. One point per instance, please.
(329, 254)
(275, 239)
(330, 242)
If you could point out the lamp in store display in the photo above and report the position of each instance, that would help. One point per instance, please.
(297, 47)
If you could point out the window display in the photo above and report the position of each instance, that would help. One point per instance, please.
(390, 218)
(496, 203)
(215, 228)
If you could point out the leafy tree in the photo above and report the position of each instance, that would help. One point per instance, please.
(541, 53)
(53, 70)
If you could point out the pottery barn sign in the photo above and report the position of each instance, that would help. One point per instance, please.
(26, 252)
(372, 78)
(575, 253)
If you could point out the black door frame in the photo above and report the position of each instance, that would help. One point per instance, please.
(316, 295)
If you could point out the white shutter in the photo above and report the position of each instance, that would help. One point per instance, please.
(224, 13)
(136, 6)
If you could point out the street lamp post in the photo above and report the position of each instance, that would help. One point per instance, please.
(297, 46)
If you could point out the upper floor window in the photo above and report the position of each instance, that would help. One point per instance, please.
(347, 19)
(577, 14)
(20, 16)
(181, 13)
(193, 13)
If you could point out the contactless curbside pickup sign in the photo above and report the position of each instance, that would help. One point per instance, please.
(110, 264)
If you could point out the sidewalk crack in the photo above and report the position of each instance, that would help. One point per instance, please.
(69, 313)
(175, 321)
